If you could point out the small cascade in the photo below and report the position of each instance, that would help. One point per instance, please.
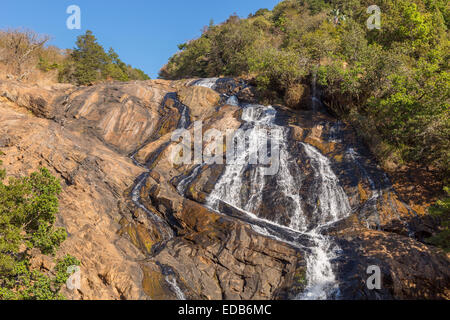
(184, 183)
(175, 288)
(376, 192)
(333, 202)
(207, 82)
(319, 272)
(229, 188)
(333, 205)
(232, 101)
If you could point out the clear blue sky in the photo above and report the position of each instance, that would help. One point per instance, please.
(144, 33)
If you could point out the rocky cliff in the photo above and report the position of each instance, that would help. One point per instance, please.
(142, 228)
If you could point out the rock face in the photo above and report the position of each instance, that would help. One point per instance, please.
(141, 225)
(218, 258)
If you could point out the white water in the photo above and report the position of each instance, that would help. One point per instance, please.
(332, 206)
(332, 201)
(207, 82)
(233, 101)
(175, 288)
(228, 188)
(319, 270)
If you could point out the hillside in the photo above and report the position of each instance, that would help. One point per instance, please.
(391, 83)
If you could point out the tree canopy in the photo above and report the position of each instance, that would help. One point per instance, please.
(28, 208)
(89, 63)
(391, 83)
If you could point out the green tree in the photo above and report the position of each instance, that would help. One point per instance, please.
(89, 63)
(90, 59)
(442, 211)
(393, 84)
(28, 208)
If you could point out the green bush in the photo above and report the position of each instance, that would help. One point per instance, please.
(89, 63)
(28, 208)
(442, 211)
(394, 81)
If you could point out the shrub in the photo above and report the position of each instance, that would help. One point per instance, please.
(28, 208)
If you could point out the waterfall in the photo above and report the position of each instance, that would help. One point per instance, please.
(319, 271)
(332, 202)
(207, 82)
(333, 205)
(233, 101)
(175, 288)
(244, 189)
(229, 187)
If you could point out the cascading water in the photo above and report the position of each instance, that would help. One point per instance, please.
(333, 206)
(172, 281)
(258, 120)
(242, 186)
(207, 82)
(332, 202)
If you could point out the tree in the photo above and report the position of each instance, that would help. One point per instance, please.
(89, 63)
(89, 58)
(28, 208)
(393, 83)
(442, 211)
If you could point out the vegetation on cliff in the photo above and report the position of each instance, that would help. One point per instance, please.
(89, 63)
(442, 211)
(392, 83)
(25, 56)
(28, 208)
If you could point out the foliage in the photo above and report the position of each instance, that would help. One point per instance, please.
(89, 63)
(392, 83)
(19, 50)
(24, 52)
(28, 208)
(442, 211)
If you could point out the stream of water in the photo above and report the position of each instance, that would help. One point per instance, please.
(242, 186)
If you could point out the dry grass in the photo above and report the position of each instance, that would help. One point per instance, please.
(20, 54)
